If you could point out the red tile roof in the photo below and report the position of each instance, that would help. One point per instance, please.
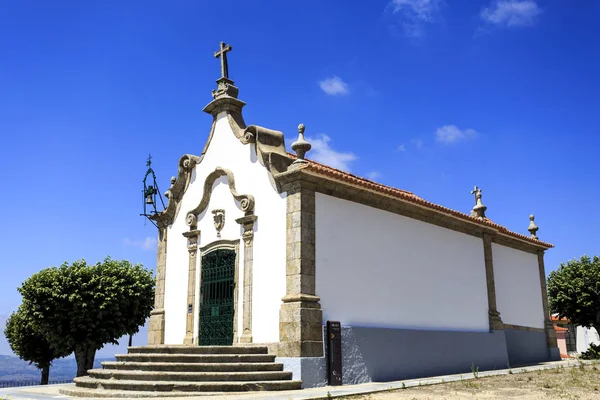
(560, 329)
(412, 198)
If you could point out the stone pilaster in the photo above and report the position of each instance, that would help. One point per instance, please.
(156, 325)
(300, 316)
(247, 223)
(494, 314)
(192, 245)
(548, 325)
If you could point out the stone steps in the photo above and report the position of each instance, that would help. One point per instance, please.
(169, 386)
(197, 358)
(191, 367)
(127, 394)
(190, 376)
(182, 349)
(152, 371)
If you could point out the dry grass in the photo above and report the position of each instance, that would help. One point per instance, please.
(581, 382)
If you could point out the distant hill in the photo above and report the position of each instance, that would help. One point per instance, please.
(14, 369)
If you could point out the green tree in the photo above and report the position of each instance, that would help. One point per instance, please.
(574, 291)
(29, 344)
(79, 307)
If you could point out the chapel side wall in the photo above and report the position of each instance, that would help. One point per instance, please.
(269, 258)
(518, 293)
(379, 269)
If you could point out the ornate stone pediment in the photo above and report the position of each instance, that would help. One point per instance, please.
(246, 200)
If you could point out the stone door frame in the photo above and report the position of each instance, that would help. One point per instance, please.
(247, 223)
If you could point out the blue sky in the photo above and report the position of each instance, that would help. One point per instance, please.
(428, 96)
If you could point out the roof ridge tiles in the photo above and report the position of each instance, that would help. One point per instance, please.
(335, 173)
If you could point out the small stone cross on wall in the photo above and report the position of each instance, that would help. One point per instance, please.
(222, 53)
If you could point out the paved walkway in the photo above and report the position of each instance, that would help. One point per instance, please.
(52, 391)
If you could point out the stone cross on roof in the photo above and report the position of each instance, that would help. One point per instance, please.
(479, 210)
(477, 192)
(222, 53)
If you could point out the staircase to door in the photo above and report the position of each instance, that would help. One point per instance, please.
(185, 371)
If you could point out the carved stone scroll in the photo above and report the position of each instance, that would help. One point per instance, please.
(177, 189)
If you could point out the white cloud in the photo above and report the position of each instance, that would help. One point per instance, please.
(511, 13)
(451, 134)
(418, 143)
(334, 86)
(323, 153)
(149, 243)
(414, 14)
(374, 175)
(401, 148)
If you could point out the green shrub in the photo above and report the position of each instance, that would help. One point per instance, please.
(593, 353)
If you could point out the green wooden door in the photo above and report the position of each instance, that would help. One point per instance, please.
(217, 286)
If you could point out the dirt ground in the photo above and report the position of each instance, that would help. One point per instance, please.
(564, 383)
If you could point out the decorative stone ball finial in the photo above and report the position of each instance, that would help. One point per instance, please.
(300, 146)
(478, 210)
(533, 228)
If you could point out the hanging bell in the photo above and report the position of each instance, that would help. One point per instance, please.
(150, 195)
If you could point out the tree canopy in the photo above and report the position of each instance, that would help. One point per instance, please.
(29, 344)
(80, 307)
(574, 291)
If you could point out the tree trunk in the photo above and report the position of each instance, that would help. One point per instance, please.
(84, 355)
(45, 375)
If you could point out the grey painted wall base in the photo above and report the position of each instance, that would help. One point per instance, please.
(528, 347)
(383, 354)
(311, 370)
(395, 354)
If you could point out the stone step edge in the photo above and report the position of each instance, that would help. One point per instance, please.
(222, 386)
(112, 365)
(199, 355)
(186, 349)
(132, 394)
(262, 375)
(191, 373)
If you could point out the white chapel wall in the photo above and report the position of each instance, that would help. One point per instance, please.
(518, 290)
(379, 269)
(226, 151)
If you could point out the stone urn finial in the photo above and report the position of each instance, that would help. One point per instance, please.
(300, 146)
(533, 228)
(168, 192)
(478, 210)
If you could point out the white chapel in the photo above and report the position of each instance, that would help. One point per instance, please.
(259, 247)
